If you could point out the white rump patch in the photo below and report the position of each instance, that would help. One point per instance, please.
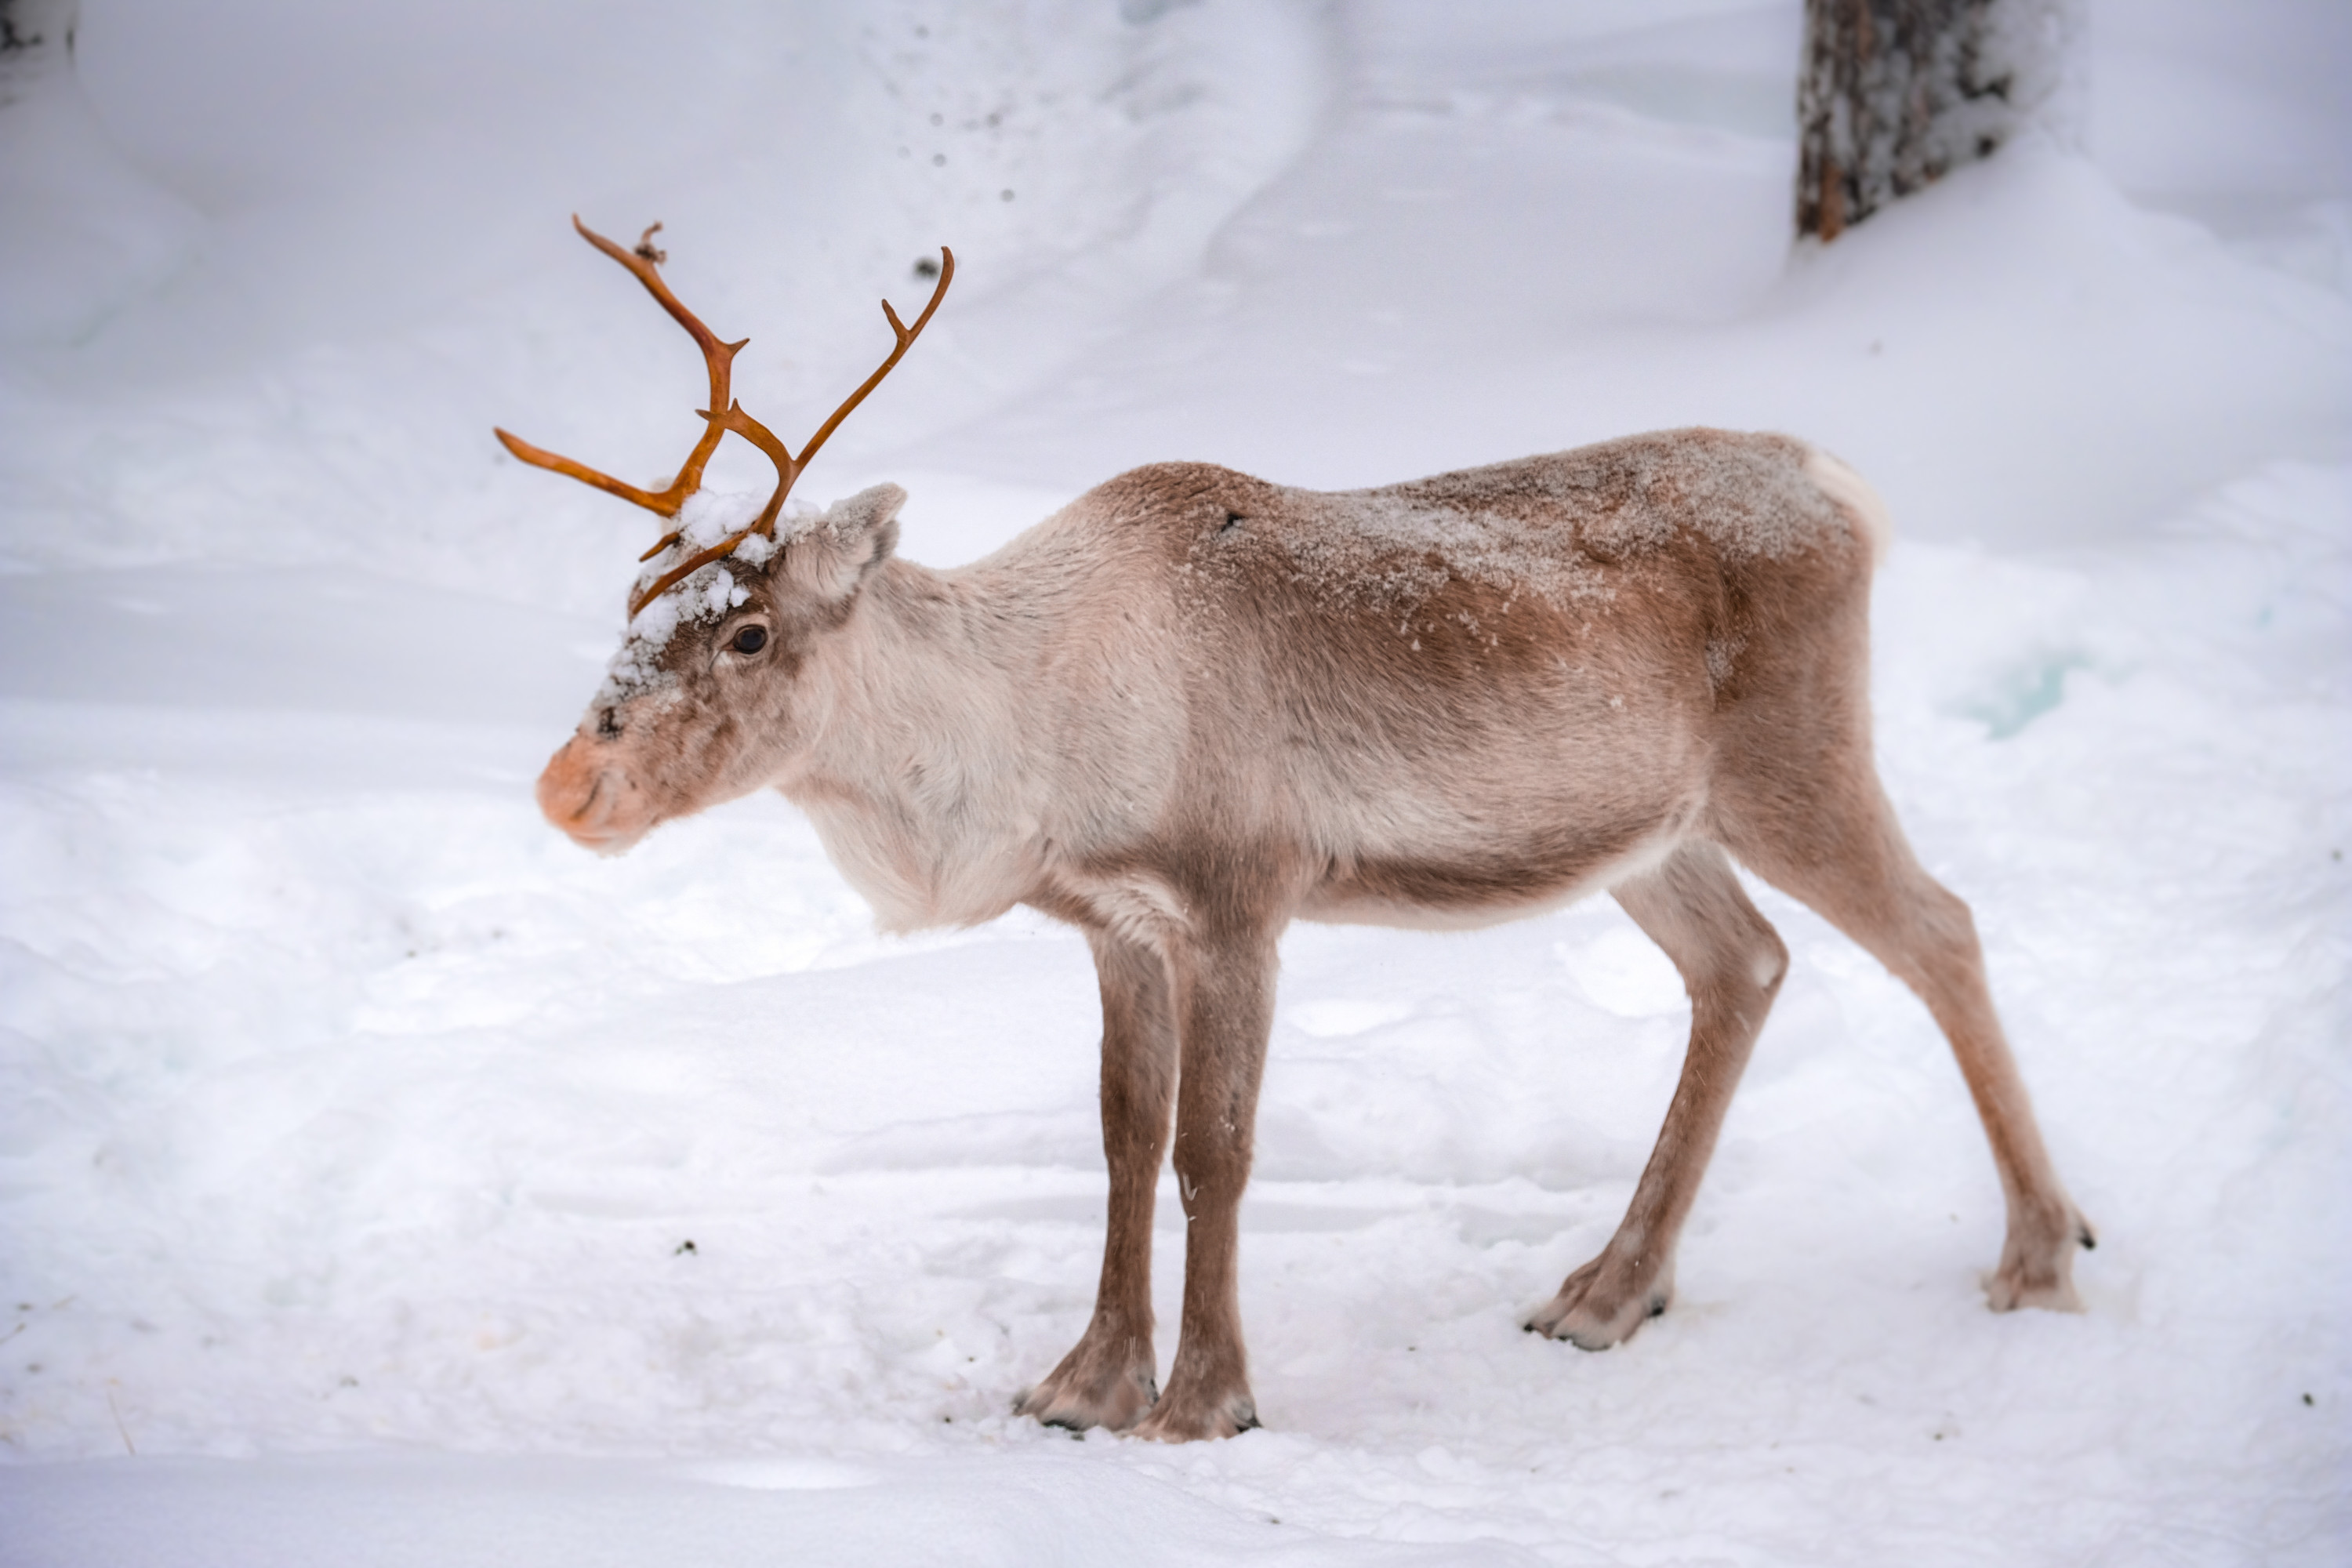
(1852, 493)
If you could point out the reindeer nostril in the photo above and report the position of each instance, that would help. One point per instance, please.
(608, 722)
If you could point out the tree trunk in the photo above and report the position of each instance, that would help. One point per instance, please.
(1896, 93)
(36, 40)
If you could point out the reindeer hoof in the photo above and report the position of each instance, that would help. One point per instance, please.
(1179, 1420)
(1110, 1389)
(1599, 1306)
(2037, 1264)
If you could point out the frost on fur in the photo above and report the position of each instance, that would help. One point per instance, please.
(707, 517)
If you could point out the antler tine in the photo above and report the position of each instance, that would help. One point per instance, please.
(718, 358)
(906, 336)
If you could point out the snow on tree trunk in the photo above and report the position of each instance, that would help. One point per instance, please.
(1896, 93)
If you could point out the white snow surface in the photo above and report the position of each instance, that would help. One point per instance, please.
(384, 1180)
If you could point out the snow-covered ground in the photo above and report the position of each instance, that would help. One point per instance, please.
(402, 1185)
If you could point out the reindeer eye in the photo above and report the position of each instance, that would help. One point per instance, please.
(750, 639)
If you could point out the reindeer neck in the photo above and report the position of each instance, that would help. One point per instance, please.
(917, 779)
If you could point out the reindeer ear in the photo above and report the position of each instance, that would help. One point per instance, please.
(854, 536)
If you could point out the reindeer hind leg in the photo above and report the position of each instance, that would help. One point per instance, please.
(1832, 840)
(1731, 963)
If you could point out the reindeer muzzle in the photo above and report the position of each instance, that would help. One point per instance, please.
(593, 799)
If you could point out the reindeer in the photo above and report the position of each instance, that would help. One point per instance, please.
(1193, 706)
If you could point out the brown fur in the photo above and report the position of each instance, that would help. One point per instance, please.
(1193, 706)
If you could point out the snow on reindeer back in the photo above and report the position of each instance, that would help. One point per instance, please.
(707, 517)
(1553, 526)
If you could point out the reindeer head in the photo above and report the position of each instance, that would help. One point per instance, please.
(698, 704)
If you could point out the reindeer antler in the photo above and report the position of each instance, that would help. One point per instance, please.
(719, 357)
(724, 413)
